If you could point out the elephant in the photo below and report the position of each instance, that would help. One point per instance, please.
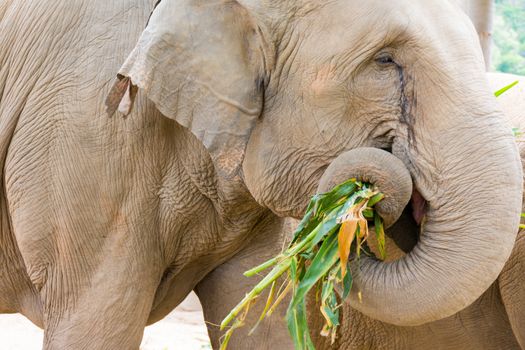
(122, 194)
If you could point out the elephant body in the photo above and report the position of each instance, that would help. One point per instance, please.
(100, 216)
(123, 192)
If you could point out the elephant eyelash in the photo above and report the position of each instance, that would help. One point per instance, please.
(385, 59)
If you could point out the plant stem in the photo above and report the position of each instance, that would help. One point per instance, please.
(265, 282)
(261, 267)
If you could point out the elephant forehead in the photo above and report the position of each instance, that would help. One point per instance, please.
(353, 28)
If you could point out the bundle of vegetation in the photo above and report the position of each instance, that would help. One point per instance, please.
(334, 228)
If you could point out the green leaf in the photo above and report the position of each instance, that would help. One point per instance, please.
(293, 269)
(336, 196)
(307, 255)
(326, 228)
(368, 214)
(380, 236)
(330, 314)
(298, 327)
(347, 284)
(375, 199)
(304, 222)
(325, 258)
(309, 214)
(329, 304)
(327, 287)
(505, 89)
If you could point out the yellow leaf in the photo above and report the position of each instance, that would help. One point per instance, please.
(325, 332)
(328, 323)
(345, 238)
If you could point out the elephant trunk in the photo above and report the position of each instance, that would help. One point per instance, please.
(473, 196)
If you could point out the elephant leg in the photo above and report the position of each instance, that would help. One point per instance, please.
(17, 293)
(512, 291)
(104, 317)
(109, 310)
(225, 286)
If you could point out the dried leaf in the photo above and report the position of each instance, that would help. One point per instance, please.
(346, 237)
(280, 298)
(269, 302)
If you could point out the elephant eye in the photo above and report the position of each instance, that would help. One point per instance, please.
(385, 59)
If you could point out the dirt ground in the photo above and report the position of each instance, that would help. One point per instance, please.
(183, 329)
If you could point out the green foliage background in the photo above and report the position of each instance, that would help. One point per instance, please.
(508, 53)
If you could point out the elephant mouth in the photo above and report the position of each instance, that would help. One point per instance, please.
(405, 231)
(419, 206)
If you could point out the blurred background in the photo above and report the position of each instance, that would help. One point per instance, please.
(508, 50)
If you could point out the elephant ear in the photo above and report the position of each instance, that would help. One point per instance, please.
(201, 63)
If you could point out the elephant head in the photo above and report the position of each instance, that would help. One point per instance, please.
(277, 91)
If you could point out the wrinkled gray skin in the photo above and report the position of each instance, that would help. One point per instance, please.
(107, 223)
